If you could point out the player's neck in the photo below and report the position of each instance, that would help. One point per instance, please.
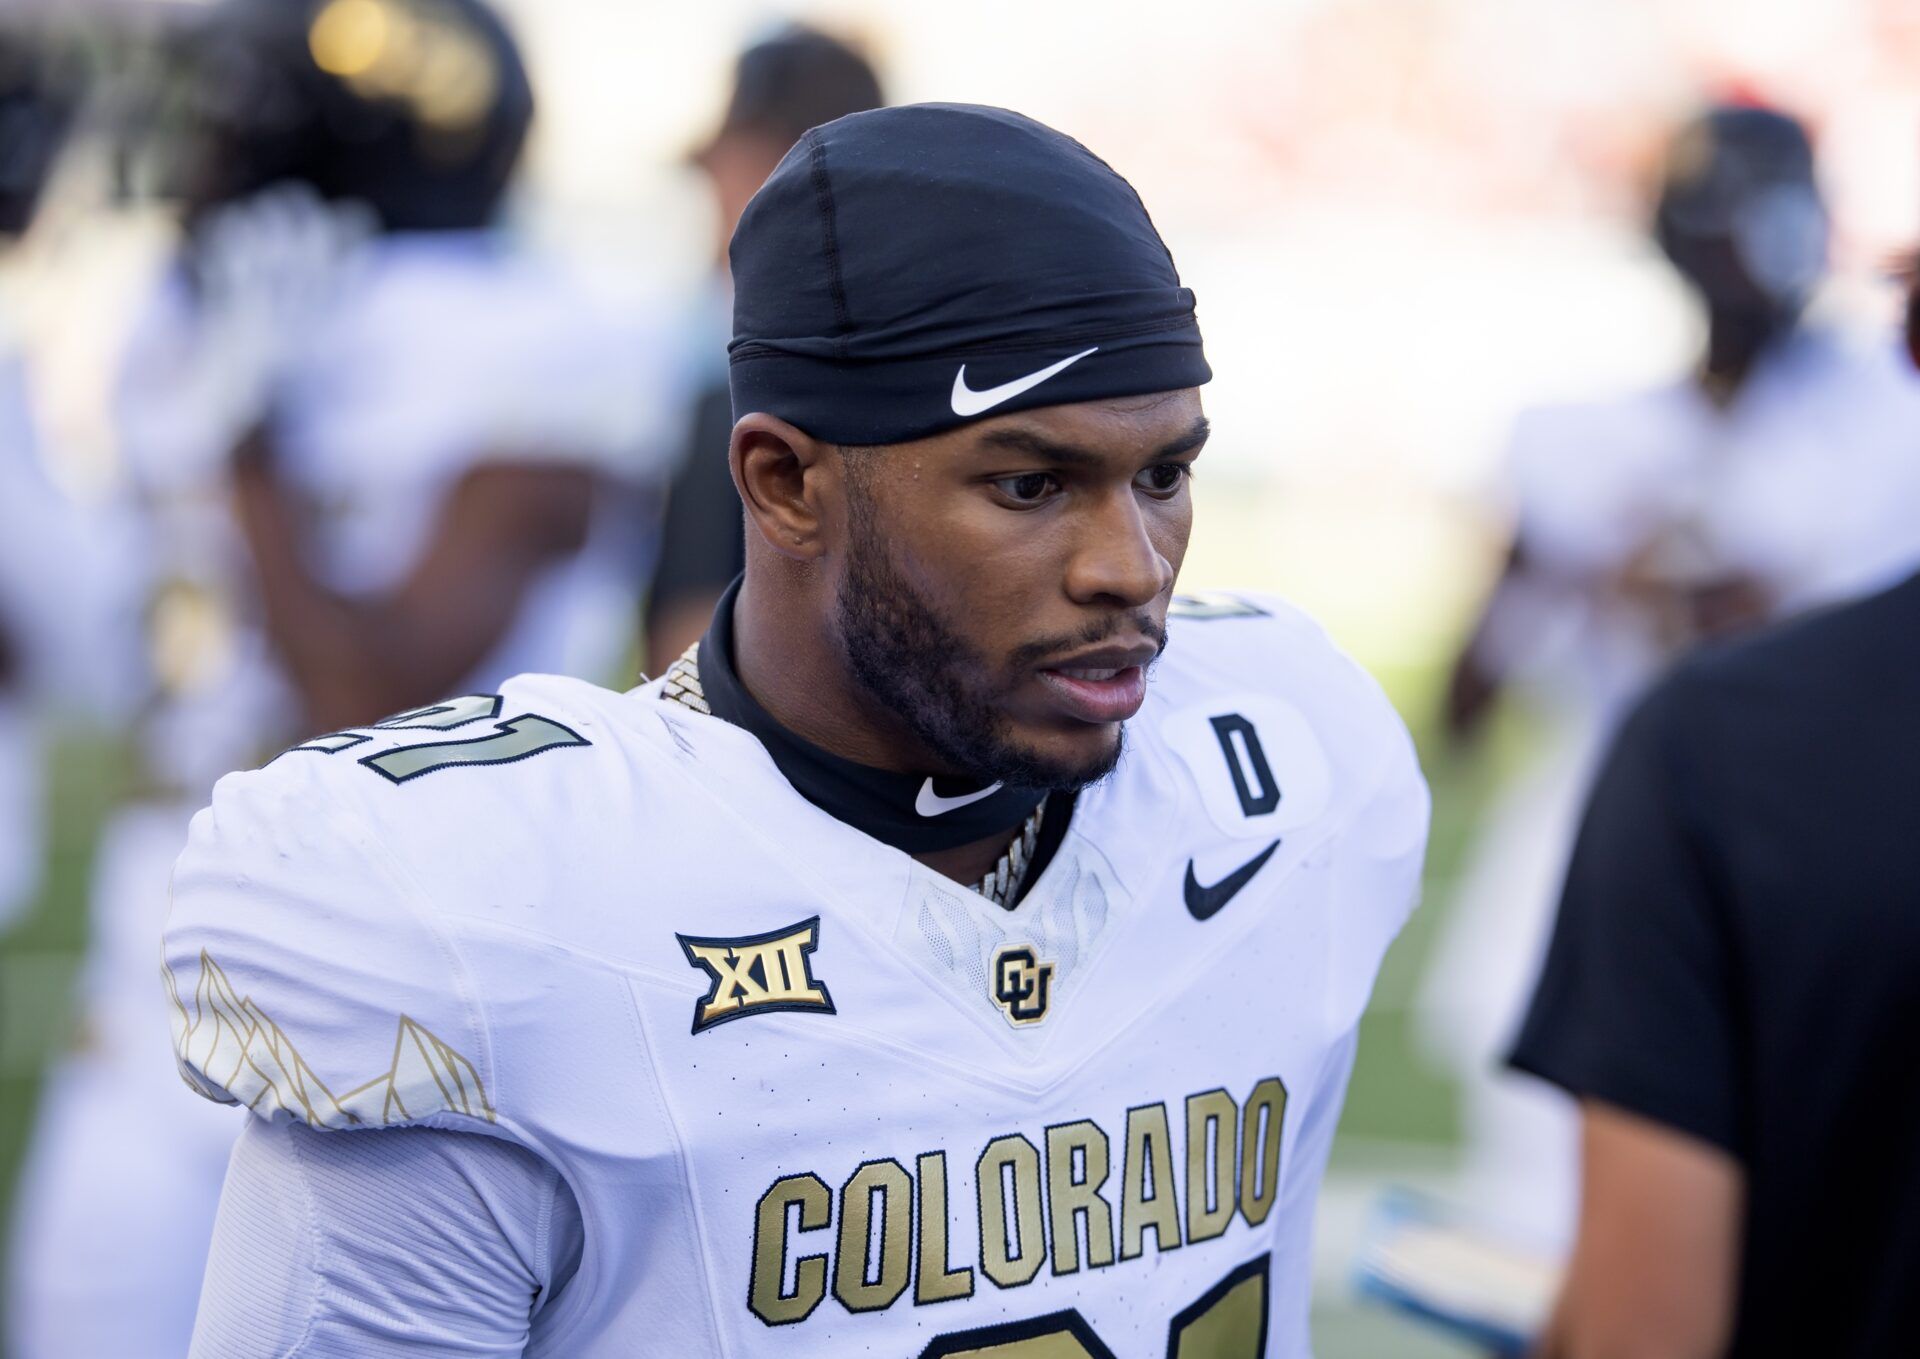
(791, 669)
(1737, 342)
(966, 864)
(839, 756)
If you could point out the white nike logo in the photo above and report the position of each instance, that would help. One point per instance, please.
(967, 402)
(930, 803)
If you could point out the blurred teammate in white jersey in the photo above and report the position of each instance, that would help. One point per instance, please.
(56, 585)
(367, 437)
(1778, 474)
(39, 124)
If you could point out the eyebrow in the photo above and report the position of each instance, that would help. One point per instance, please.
(1072, 455)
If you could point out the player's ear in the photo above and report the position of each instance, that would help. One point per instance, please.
(786, 480)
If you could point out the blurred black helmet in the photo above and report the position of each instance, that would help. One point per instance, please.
(416, 108)
(1740, 213)
(36, 108)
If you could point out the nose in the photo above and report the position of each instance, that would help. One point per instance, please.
(1115, 560)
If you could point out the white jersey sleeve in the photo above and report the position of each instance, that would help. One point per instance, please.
(1378, 883)
(308, 980)
(1591, 480)
(416, 1243)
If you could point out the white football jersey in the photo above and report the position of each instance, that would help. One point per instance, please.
(1804, 483)
(62, 623)
(812, 1097)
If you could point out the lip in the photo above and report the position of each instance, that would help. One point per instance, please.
(1099, 701)
(1113, 698)
(1112, 656)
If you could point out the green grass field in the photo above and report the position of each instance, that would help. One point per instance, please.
(1399, 1120)
(39, 956)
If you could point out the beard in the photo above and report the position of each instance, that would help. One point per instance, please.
(904, 655)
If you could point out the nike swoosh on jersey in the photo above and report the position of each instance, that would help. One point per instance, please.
(930, 803)
(967, 402)
(1203, 903)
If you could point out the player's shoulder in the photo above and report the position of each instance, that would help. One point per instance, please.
(497, 352)
(464, 799)
(1244, 667)
(1264, 741)
(1595, 434)
(1854, 361)
(313, 943)
(535, 732)
(1228, 642)
(1572, 468)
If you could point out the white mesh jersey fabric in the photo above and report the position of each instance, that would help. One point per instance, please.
(411, 1242)
(1064, 918)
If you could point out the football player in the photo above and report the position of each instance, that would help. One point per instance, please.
(1779, 474)
(365, 433)
(904, 972)
(33, 520)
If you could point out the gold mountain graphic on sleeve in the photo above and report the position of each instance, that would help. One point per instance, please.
(231, 1051)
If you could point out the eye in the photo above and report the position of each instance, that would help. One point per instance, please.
(1029, 488)
(1163, 479)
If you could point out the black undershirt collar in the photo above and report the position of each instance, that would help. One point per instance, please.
(886, 805)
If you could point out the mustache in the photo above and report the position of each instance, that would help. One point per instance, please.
(1029, 654)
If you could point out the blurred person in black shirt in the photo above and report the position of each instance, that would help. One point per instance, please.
(796, 79)
(1733, 995)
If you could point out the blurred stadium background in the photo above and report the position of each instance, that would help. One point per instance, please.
(1404, 219)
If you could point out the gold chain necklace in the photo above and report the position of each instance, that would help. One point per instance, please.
(1001, 886)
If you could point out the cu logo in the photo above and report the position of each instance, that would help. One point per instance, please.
(1020, 984)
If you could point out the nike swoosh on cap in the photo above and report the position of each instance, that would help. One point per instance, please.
(1205, 902)
(967, 402)
(930, 803)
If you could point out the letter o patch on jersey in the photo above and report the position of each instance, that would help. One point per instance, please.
(1258, 765)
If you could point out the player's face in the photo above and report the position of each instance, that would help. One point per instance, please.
(1005, 585)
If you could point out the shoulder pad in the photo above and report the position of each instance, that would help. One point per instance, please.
(309, 972)
(306, 978)
(1285, 740)
(1244, 660)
